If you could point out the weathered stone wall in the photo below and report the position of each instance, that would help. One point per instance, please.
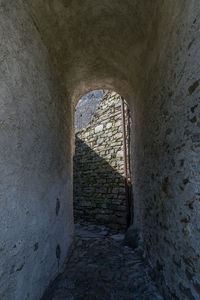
(166, 155)
(99, 188)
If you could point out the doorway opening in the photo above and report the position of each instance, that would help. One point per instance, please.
(102, 190)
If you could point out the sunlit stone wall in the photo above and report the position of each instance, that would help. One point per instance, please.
(99, 188)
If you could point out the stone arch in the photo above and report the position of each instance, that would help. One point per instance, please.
(112, 84)
(98, 43)
(107, 199)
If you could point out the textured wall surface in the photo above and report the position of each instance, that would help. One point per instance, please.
(36, 214)
(54, 52)
(167, 157)
(99, 187)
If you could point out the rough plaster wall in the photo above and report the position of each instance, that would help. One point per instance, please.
(166, 162)
(101, 44)
(36, 208)
(135, 48)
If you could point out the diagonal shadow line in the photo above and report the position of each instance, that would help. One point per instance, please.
(99, 189)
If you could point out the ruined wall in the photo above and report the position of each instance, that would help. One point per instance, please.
(99, 188)
(36, 213)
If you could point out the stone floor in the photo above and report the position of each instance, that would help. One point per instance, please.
(101, 267)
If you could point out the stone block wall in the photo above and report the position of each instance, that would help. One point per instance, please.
(99, 187)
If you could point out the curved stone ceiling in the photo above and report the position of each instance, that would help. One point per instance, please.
(98, 44)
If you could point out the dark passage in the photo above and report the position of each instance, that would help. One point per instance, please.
(101, 267)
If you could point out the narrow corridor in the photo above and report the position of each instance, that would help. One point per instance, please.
(102, 267)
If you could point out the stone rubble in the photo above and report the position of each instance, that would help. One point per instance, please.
(101, 267)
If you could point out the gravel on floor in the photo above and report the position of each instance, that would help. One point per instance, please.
(101, 267)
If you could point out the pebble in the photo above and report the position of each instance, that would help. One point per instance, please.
(117, 237)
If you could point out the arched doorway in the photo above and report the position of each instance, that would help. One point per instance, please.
(102, 193)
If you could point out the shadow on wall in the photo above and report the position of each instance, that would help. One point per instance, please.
(99, 190)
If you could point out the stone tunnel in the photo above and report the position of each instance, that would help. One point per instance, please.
(51, 54)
